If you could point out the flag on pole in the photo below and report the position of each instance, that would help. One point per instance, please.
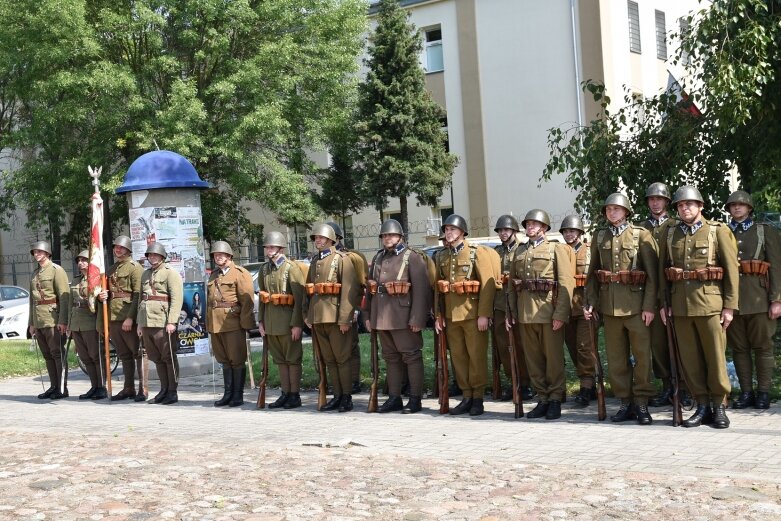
(97, 266)
(682, 99)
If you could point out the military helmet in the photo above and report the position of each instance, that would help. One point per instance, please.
(507, 221)
(323, 230)
(658, 190)
(618, 199)
(337, 230)
(687, 193)
(41, 245)
(457, 221)
(275, 239)
(156, 247)
(391, 226)
(84, 254)
(221, 247)
(572, 222)
(124, 241)
(739, 196)
(537, 215)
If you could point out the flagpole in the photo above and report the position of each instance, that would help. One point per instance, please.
(95, 174)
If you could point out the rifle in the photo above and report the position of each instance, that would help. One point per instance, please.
(496, 385)
(142, 368)
(322, 386)
(249, 364)
(517, 400)
(375, 373)
(34, 346)
(601, 408)
(437, 383)
(672, 346)
(264, 377)
(444, 392)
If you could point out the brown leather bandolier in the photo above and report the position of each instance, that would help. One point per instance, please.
(626, 277)
(46, 302)
(673, 274)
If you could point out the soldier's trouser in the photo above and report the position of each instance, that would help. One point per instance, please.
(749, 334)
(660, 353)
(230, 348)
(702, 344)
(503, 346)
(577, 337)
(126, 345)
(355, 355)
(53, 351)
(336, 347)
(469, 351)
(544, 351)
(624, 336)
(402, 351)
(158, 350)
(287, 354)
(88, 349)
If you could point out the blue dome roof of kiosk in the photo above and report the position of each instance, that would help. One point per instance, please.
(161, 169)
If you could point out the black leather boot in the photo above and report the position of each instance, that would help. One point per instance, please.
(762, 401)
(702, 416)
(720, 420)
(462, 408)
(159, 397)
(527, 393)
(625, 412)
(47, 393)
(393, 403)
(227, 382)
(744, 401)
(540, 410)
(239, 375)
(477, 407)
(554, 410)
(279, 402)
(124, 394)
(170, 398)
(643, 416)
(333, 403)
(100, 394)
(88, 394)
(663, 398)
(583, 398)
(346, 403)
(413, 405)
(293, 401)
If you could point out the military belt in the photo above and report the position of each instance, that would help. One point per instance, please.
(673, 274)
(81, 304)
(225, 304)
(628, 277)
(754, 267)
(159, 298)
(120, 294)
(46, 302)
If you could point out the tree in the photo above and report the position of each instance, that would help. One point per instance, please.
(242, 89)
(401, 145)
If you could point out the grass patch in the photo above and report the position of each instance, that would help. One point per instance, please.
(19, 358)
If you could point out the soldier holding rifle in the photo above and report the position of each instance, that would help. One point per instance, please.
(397, 304)
(622, 286)
(229, 315)
(281, 319)
(753, 327)
(699, 260)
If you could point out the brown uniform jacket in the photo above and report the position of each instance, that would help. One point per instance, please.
(505, 259)
(234, 288)
(657, 230)
(124, 277)
(331, 265)
(756, 291)
(80, 318)
(164, 286)
(582, 261)
(548, 261)
(621, 253)
(284, 277)
(457, 266)
(689, 252)
(49, 284)
(388, 312)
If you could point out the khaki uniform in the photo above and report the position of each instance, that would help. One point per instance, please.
(621, 305)
(392, 315)
(82, 324)
(49, 300)
(752, 330)
(535, 310)
(161, 302)
(577, 335)
(230, 313)
(283, 277)
(124, 286)
(468, 345)
(327, 312)
(361, 268)
(499, 331)
(697, 305)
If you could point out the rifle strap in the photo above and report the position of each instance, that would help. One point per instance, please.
(404, 264)
(760, 240)
(711, 245)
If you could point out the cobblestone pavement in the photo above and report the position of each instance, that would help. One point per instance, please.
(126, 461)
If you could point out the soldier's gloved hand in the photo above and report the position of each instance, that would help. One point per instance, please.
(127, 324)
(775, 310)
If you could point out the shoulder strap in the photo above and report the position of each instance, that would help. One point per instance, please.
(374, 263)
(635, 245)
(711, 244)
(760, 239)
(404, 263)
(670, 231)
(472, 258)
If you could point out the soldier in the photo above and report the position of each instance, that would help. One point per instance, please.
(543, 279)
(699, 260)
(333, 289)
(48, 317)
(753, 327)
(281, 285)
(124, 290)
(657, 197)
(158, 313)
(82, 327)
(507, 229)
(467, 279)
(577, 334)
(397, 306)
(230, 313)
(622, 286)
(361, 268)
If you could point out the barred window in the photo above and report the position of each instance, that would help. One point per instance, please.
(634, 27)
(661, 36)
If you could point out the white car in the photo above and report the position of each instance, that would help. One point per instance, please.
(14, 312)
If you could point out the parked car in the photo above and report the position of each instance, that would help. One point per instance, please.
(14, 312)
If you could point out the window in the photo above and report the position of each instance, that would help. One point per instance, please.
(661, 36)
(11, 292)
(634, 27)
(432, 50)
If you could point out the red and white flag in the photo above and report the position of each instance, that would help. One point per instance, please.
(97, 267)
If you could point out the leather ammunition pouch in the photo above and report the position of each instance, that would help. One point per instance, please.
(371, 285)
(328, 288)
(580, 281)
(397, 287)
(754, 267)
(536, 285)
(265, 297)
(627, 277)
(466, 287)
(282, 299)
(443, 286)
(310, 288)
(701, 274)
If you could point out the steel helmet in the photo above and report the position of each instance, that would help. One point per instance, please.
(687, 193)
(507, 221)
(221, 247)
(323, 230)
(572, 222)
(156, 247)
(537, 215)
(337, 230)
(618, 199)
(391, 226)
(275, 239)
(41, 245)
(658, 190)
(457, 221)
(739, 196)
(124, 241)
(84, 254)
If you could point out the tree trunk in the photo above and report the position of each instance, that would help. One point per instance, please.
(404, 217)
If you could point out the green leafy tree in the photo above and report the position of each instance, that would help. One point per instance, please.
(401, 146)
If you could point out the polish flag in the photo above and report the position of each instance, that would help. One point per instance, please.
(97, 266)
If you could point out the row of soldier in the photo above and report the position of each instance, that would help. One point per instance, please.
(633, 277)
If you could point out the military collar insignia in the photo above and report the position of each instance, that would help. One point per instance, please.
(618, 230)
(509, 247)
(537, 242)
(745, 225)
(340, 247)
(457, 249)
(280, 260)
(578, 246)
(400, 247)
(325, 253)
(655, 223)
(685, 228)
